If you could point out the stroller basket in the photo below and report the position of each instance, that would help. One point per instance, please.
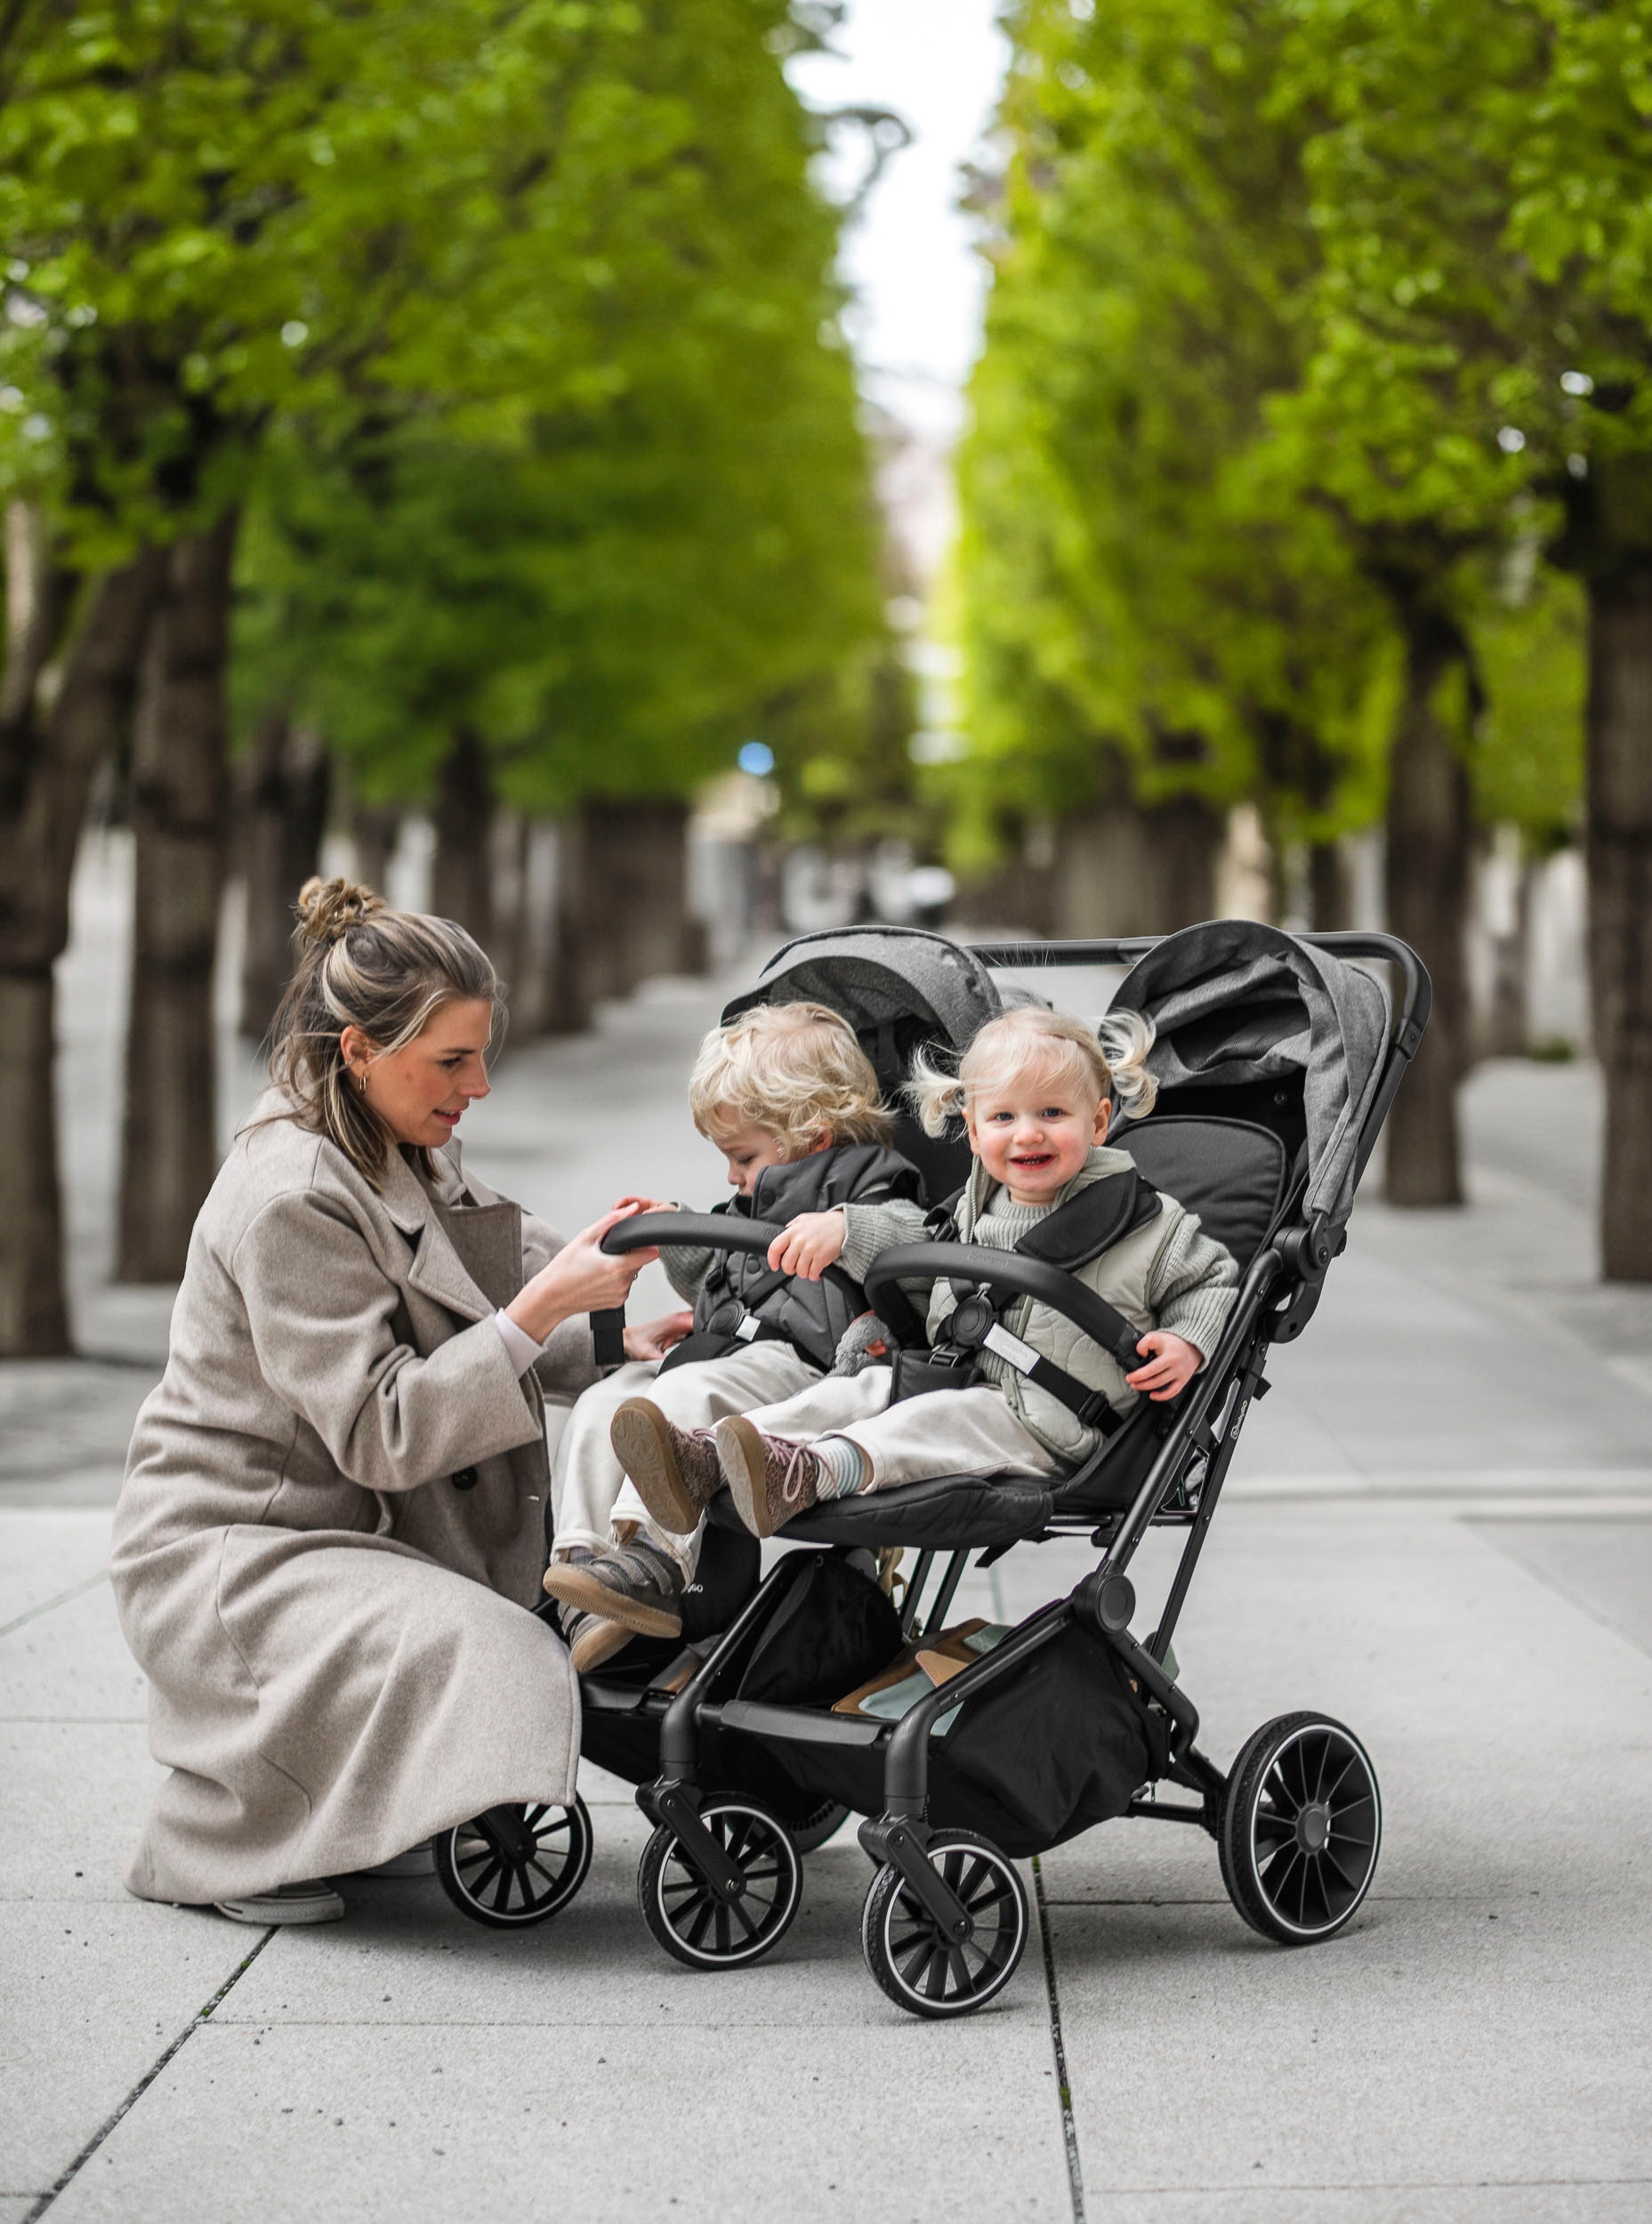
(1277, 1060)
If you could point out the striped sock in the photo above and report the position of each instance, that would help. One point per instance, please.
(845, 1469)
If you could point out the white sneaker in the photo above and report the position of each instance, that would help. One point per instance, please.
(315, 1902)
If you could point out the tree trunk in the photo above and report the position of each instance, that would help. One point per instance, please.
(634, 907)
(1427, 890)
(1620, 907)
(1124, 870)
(71, 668)
(169, 1139)
(375, 829)
(1330, 899)
(287, 807)
(462, 876)
(568, 1002)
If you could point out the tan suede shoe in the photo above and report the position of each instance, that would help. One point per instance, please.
(769, 1478)
(635, 1584)
(675, 1469)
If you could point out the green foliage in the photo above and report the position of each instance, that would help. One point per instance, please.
(1141, 603)
(1533, 664)
(512, 321)
(1282, 300)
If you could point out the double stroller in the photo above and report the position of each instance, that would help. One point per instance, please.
(795, 1698)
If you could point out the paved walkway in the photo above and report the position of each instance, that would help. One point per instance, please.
(1439, 1529)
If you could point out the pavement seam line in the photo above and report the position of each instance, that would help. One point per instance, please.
(200, 2017)
(49, 1605)
(1064, 2091)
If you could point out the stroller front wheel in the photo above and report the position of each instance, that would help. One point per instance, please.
(1302, 1823)
(910, 1959)
(515, 1866)
(694, 1921)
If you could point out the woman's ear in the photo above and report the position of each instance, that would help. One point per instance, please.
(356, 1050)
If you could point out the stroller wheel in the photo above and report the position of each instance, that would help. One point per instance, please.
(919, 1970)
(515, 1865)
(1302, 1823)
(826, 1820)
(691, 1919)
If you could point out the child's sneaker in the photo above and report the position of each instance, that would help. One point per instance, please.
(635, 1584)
(675, 1469)
(591, 1638)
(769, 1479)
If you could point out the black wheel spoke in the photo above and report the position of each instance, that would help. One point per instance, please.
(736, 1909)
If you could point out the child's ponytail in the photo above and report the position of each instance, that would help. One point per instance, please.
(1125, 1039)
(934, 1095)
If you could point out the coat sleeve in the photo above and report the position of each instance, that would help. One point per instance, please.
(321, 1309)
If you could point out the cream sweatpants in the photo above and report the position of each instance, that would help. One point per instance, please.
(589, 1491)
(942, 1432)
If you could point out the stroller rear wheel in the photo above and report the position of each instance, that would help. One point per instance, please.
(515, 1865)
(922, 1971)
(697, 1923)
(824, 1822)
(1302, 1823)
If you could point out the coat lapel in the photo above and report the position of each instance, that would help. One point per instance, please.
(436, 1270)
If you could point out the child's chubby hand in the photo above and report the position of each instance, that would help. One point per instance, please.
(646, 1205)
(1172, 1367)
(808, 1244)
(653, 1339)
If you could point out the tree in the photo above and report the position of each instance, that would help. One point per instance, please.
(228, 217)
(1152, 627)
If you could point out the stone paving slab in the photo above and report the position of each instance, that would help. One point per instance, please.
(594, 2122)
(91, 1996)
(1488, 2201)
(49, 1553)
(72, 1664)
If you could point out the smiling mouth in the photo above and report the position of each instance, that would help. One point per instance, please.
(1038, 1158)
(452, 1118)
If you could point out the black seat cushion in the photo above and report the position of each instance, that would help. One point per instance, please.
(948, 1513)
(1233, 1174)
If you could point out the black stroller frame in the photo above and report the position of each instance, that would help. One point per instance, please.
(1296, 1819)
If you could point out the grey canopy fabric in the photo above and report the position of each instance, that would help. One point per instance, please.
(1234, 1001)
(876, 976)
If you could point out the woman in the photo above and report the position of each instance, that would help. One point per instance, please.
(332, 1523)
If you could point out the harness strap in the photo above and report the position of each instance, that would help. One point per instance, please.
(1090, 1405)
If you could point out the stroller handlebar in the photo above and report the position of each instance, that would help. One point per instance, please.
(1003, 1270)
(715, 1231)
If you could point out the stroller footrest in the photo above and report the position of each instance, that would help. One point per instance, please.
(793, 1725)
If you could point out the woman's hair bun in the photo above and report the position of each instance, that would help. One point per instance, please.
(327, 909)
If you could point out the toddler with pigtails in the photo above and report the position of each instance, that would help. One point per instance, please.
(1036, 1091)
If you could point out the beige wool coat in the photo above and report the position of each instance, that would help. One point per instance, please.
(332, 1525)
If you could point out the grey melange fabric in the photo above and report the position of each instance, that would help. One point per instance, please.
(337, 1639)
(1233, 1001)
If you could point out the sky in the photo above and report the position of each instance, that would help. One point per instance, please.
(919, 288)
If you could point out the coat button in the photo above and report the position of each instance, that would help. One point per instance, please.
(465, 1479)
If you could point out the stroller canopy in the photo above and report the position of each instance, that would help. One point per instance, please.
(879, 976)
(1234, 1001)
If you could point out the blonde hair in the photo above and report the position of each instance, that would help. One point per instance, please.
(1107, 1060)
(794, 1069)
(387, 972)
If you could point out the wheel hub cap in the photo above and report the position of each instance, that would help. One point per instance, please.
(1313, 1827)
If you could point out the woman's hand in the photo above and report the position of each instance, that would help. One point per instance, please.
(653, 1339)
(808, 1244)
(580, 1279)
(1173, 1364)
